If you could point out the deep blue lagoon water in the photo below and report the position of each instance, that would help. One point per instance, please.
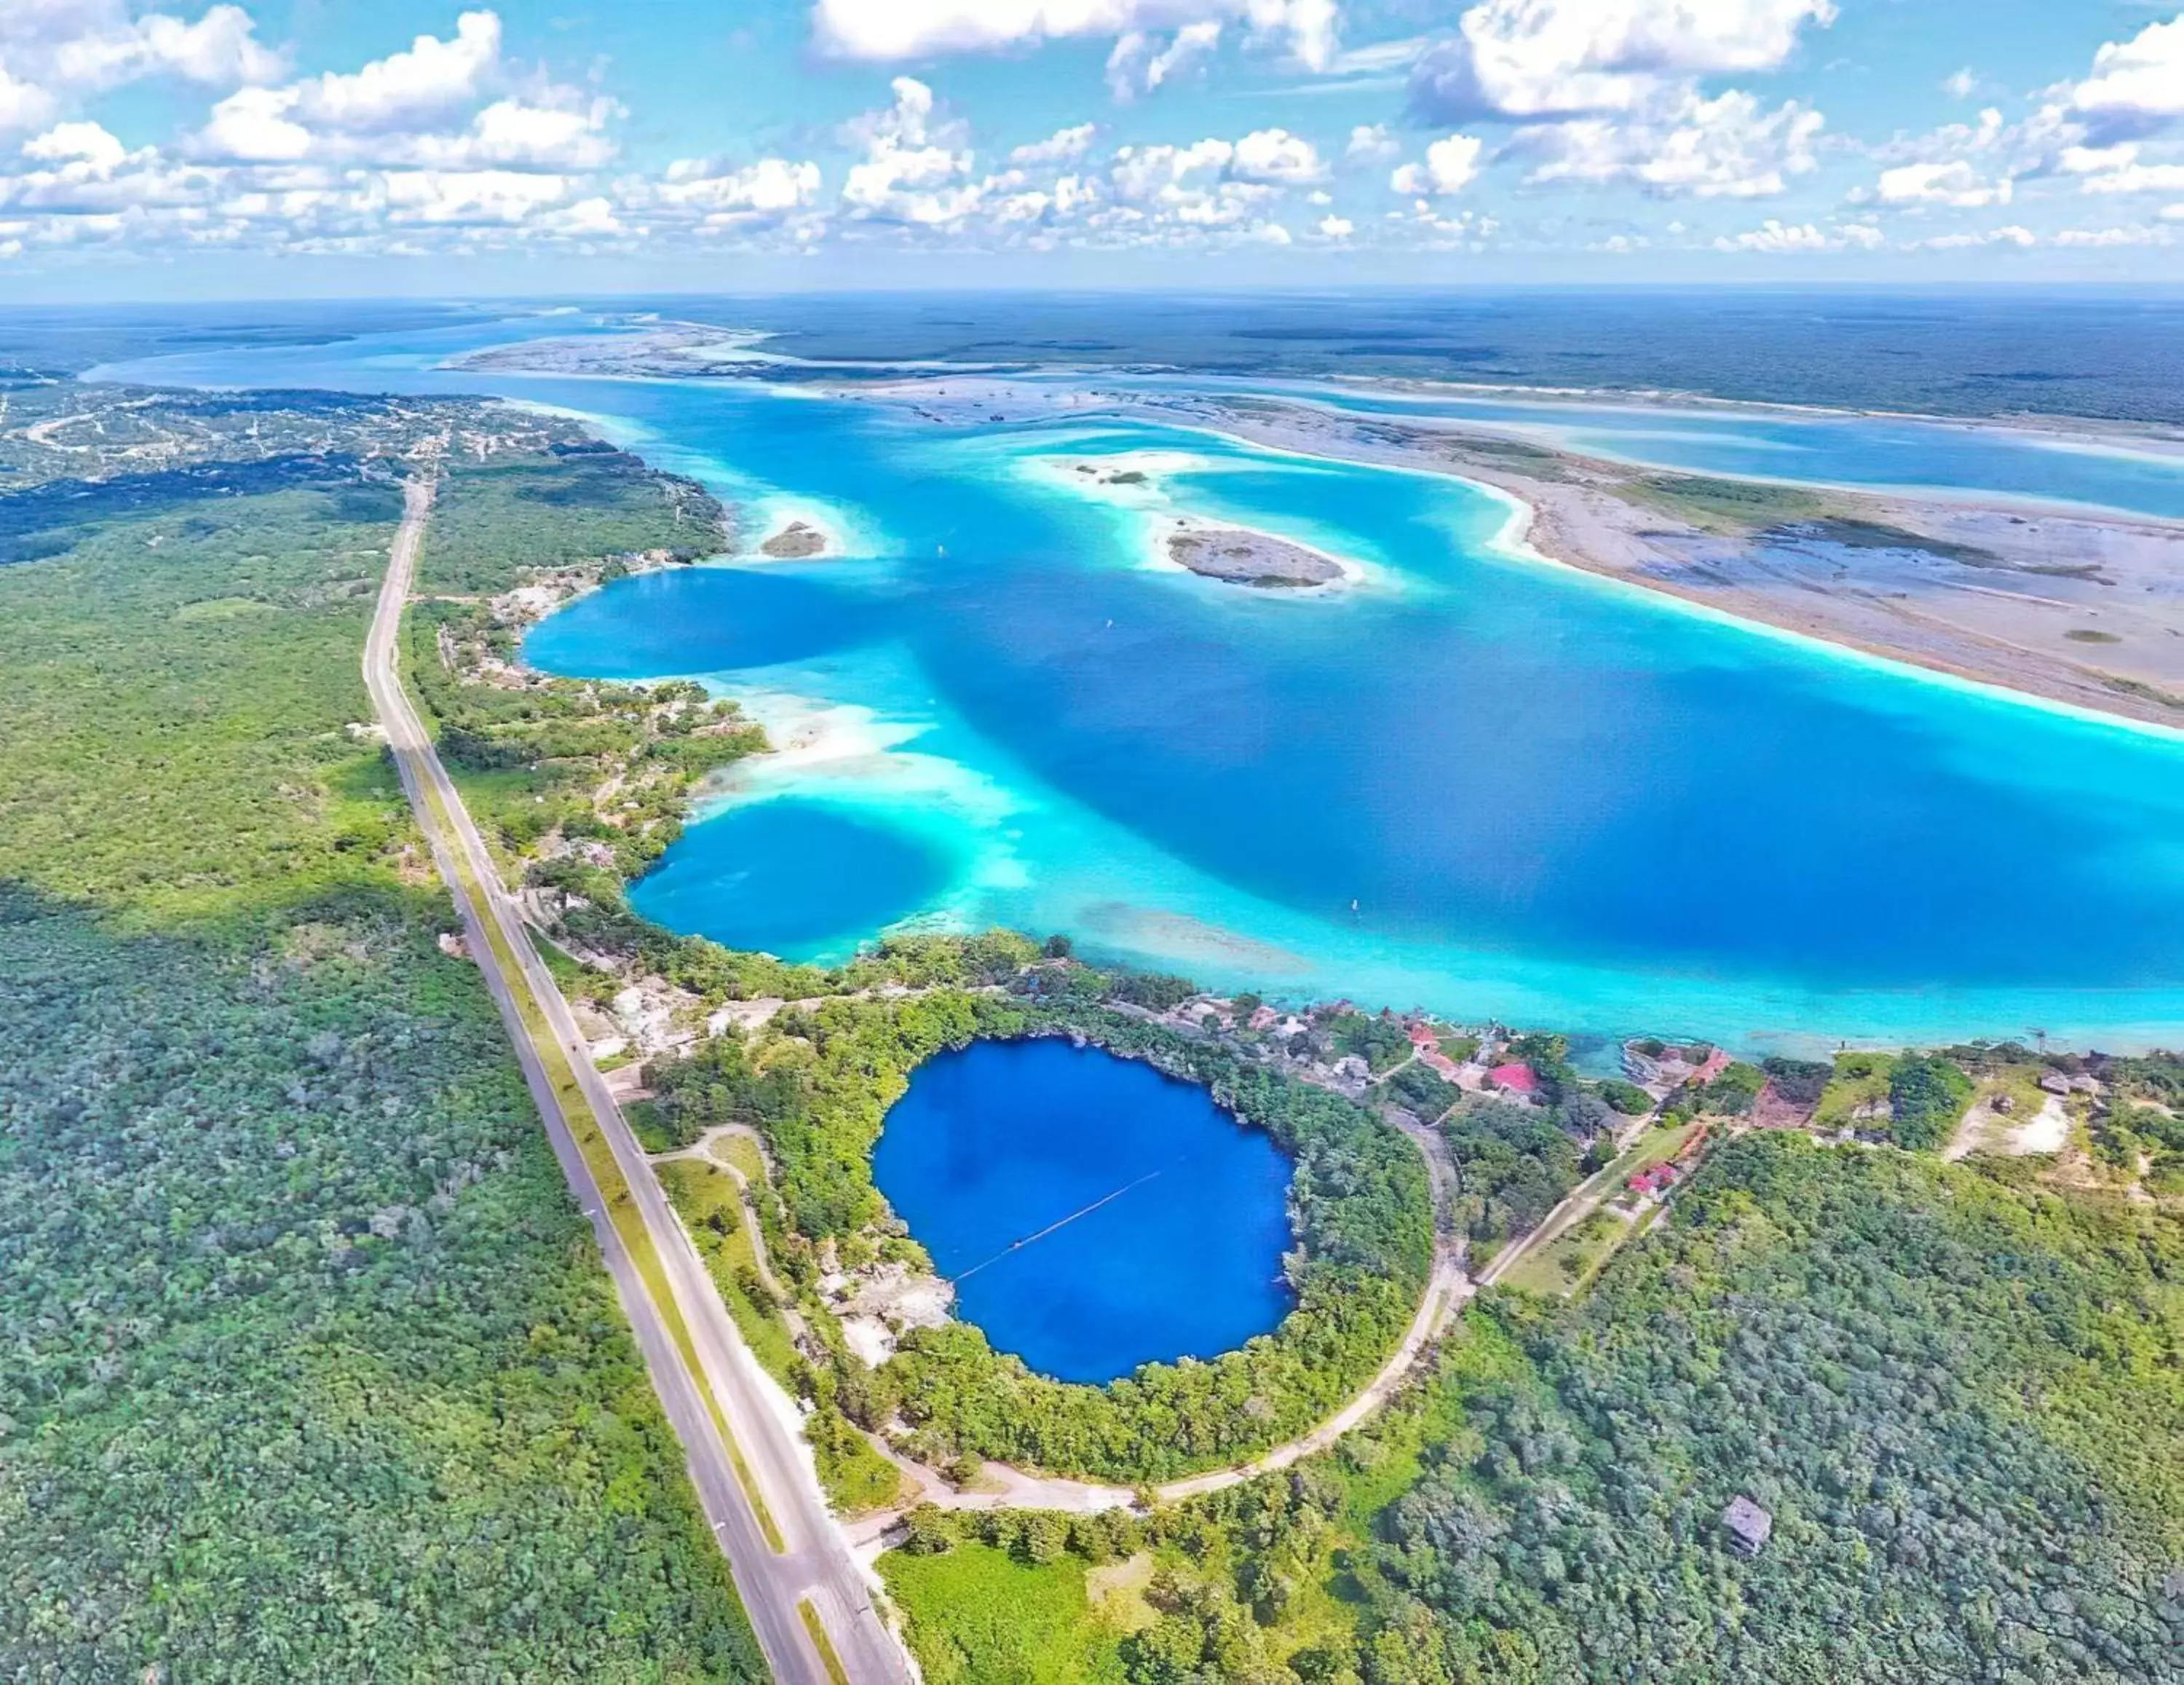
(1475, 783)
(1000, 1142)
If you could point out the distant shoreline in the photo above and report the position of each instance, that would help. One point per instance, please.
(681, 347)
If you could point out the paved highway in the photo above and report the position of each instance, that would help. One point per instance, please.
(814, 1563)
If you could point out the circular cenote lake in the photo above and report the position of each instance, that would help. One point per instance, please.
(1094, 1214)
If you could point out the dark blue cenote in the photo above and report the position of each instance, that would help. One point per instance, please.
(1095, 1214)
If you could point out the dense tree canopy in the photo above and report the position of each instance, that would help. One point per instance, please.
(1956, 1390)
(311, 1370)
(1513, 1164)
(1957, 1393)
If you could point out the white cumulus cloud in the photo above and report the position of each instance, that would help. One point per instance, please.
(1140, 62)
(896, 29)
(53, 54)
(1548, 59)
(2101, 238)
(913, 171)
(1966, 240)
(1212, 183)
(221, 46)
(1060, 146)
(1954, 183)
(1450, 166)
(430, 78)
(23, 105)
(1776, 236)
(769, 187)
(1276, 155)
(2138, 82)
(1371, 143)
(1724, 148)
(412, 91)
(469, 196)
(88, 141)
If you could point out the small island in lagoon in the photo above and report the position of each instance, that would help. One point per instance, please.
(796, 542)
(1240, 556)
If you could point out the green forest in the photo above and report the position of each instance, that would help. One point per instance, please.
(569, 504)
(312, 1372)
(1957, 1391)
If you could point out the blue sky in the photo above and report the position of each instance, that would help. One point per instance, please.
(329, 147)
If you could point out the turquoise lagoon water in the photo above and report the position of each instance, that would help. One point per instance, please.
(1476, 782)
(789, 876)
(1160, 1221)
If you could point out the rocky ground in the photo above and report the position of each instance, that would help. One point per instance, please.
(1241, 557)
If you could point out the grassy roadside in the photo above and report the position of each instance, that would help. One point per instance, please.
(712, 1205)
(724, 1223)
(817, 1628)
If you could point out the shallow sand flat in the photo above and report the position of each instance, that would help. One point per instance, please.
(1181, 938)
(797, 528)
(1135, 479)
(666, 349)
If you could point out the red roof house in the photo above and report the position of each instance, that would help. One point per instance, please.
(1516, 1078)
